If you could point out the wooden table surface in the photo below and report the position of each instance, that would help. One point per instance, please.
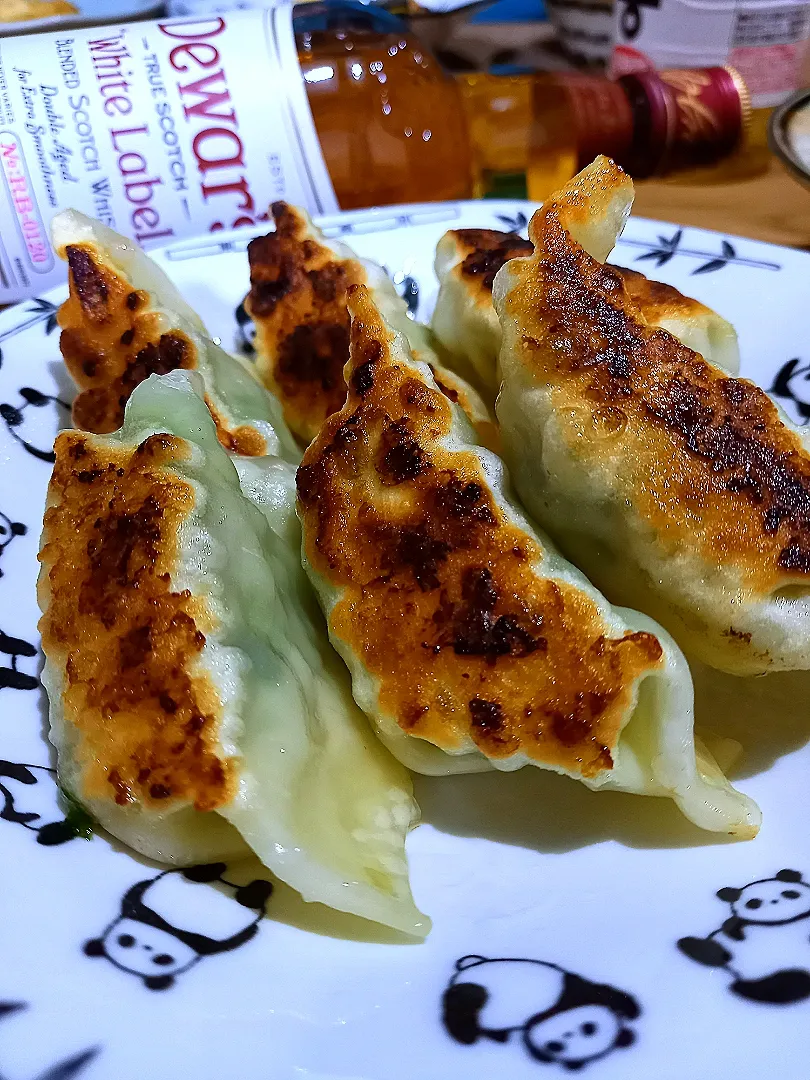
(772, 206)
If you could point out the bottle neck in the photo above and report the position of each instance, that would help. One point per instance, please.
(531, 133)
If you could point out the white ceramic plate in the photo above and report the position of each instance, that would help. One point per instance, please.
(90, 12)
(515, 868)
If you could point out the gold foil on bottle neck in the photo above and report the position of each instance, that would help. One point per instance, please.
(745, 99)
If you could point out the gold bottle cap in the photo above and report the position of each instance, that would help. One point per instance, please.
(744, 95)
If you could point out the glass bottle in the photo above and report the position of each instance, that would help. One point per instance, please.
(547, 126)
(388, 118)
(171, 129)
(766, 41)
(393, 127)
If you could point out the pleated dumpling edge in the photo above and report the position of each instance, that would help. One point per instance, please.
(124, 320)
(678, 489)
(194, 696)
(472, 643)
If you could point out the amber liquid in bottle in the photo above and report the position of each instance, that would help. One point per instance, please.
(519, 148)
(394, 127)
(520, 127)
(389, 120)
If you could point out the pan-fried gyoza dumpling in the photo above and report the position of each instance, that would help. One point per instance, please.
(677, 489)
(692, 323)
(124, 321)
(471, 641)
(465, 322)
(297, 300)
(195, 701)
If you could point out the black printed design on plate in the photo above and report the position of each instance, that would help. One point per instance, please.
(793, 383)
(764, 943)
(16, 418)
(245, 331)
(41, 311)
(408, 289)
(10, 676)
(669, 246)
(68, 1068)
(516, 223)
(8, 530)
(560, 1017)
(30, 797)
(149, 940)
(664, 248)
(46, 312)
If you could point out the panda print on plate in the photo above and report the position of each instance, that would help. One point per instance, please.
(11, 678)
(168, 923)
(245, 331)
(560, 1017)
(35, 421)
(764, 942)
(8, 531)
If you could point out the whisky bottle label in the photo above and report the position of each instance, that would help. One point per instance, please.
(162, 130)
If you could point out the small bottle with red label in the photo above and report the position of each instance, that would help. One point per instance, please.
(766, 41)
(547, 127)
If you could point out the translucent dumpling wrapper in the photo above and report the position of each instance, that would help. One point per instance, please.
(466, 324)
(472, 643)
(124, 321)
(297, 300)
(678, 489)
(195, 702)
(464, 320)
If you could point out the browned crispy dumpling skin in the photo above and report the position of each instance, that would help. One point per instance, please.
(111, 341)
(467, 326)
(678, 489)
(481, 254)
(692, 323)
(470, 640)
(655, 299)
(462, 627)
(464, 320)
(297, 299)
(127, 640)
(194, 701)
(124, 321)
(458, 390)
